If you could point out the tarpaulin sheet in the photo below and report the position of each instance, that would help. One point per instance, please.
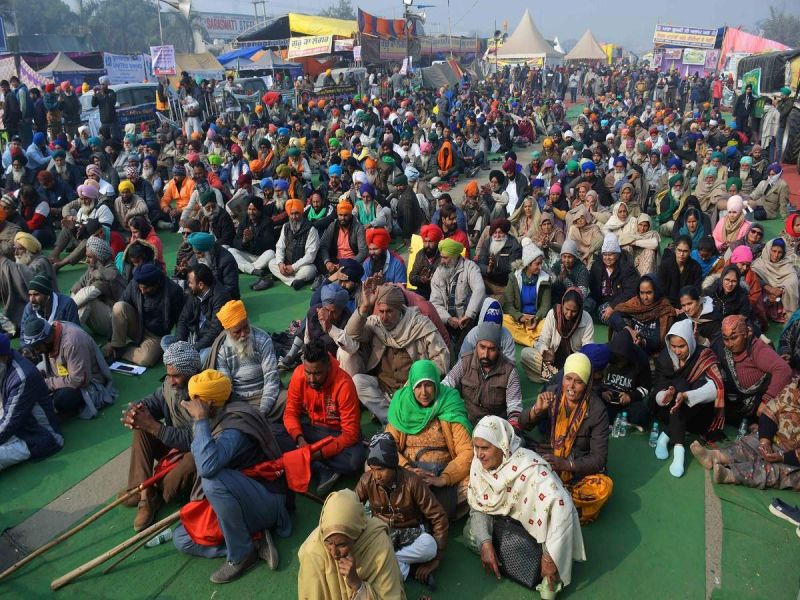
(314, 25)
(736, 40)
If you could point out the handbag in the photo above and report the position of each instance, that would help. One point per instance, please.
(519, 554)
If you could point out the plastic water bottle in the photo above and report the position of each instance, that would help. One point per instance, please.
(742, 430)
(162, 537)
(654, 435)
(623, 425)
(616, 426)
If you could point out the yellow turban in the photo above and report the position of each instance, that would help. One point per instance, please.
(293, 205)
(232, 313)
(27, 241)
(125, 186)
(580, 365)
(211, 386)
(450, 248)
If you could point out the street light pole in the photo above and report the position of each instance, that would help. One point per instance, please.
(406, 21)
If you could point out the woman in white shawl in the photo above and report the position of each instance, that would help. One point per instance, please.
(620, 221)
(642, 244)
(781, 291)
(507, 480)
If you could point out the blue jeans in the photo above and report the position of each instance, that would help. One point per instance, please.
(243, 507)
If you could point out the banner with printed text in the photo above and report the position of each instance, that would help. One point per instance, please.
(687, 37)
(312, 45)
(393, 49)
(163, 58)
(125, 68)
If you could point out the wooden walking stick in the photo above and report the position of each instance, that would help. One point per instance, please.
(68, 534)
(121, 547)
(133, 550)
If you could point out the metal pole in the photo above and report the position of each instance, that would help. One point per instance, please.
(160, 27)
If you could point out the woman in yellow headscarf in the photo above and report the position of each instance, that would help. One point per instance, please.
(578, 436)
(349, 556)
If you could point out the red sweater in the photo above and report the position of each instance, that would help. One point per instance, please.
(335, 406)
(759, 359)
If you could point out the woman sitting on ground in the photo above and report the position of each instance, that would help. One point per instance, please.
(621, 221)
(779, 280)
(754, 240)
(768, 458)
(525, 219)
(789, 343)
(567, 328)
(548, 238)
(429, 422)
(527, 296)
(642, 244)
(349, 556)
(578, 444)
(684, 225)
(585, 233)
(733, 226)
(700, 310)
(708, 257)
(791, 236)
(689, 393)
(647, 316)
(677, 270)
(754, 372)
(506, 480)
(742, 259)
(729, 295)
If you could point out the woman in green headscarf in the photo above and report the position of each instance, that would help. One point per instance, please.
(434, 436)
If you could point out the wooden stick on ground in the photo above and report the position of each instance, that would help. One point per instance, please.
(67, 534)
(121, 547)
(133, 550)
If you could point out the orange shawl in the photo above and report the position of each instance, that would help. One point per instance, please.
(445, 162)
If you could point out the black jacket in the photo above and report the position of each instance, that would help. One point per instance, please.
(624, 281)
(510, 252)
(12, 115)
(170, 298)
(221, 225)
(672, 279)
(225, 269)
(263, 235)
(107, 103)
(204, 309)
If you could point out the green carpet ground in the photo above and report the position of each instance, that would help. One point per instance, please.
(648, 542)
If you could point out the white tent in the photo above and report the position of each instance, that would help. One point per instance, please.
(557, 45)
(587, 48)
(527, 44)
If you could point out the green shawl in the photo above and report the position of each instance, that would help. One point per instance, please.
(408, 416)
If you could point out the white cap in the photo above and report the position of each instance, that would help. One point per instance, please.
(609, 136)
(569, 134)
(712, 123)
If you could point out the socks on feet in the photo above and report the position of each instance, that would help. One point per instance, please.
(678, 454)
(662, 452)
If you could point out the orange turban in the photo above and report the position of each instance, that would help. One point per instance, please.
(345, 154)
(370, 163)
(255, 165)
(344, 208)
(211, 386)
(232, 313)
(432, 233)
(471, 189)
(293, 205)
(379, 237)
(196, 135)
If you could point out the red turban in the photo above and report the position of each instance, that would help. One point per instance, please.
(431, 233)
(379, 237)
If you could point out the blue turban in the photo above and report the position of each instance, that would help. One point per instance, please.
(731, 151)
(199, 240)
(621, 159)
(335, 294)
(282, 184)
(148, 274)
(674, 162)
(5, 345)
(283, 131)
(94, 141)
(367, 188)
(179, 170)
(538, 183)
(266, 183)
(588, 166)
(411, 173)
(335, 171)
(38, 138)
(598, 355)
(352, 268)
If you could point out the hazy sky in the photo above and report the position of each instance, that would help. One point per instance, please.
(626, 22)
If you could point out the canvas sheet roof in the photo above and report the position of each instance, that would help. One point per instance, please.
(314, 25)
(526, 42)
(587, 48)
(269, 60)
(64, 64)
(437, 76)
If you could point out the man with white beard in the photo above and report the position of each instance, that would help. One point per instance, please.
(457, 291)
(296, 249)
(619, 173)
(65, 170)
(245, 354)
(16, 275)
